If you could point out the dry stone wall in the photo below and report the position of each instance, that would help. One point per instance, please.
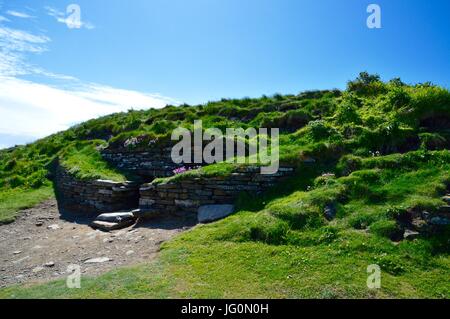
(174, 198)
(187, 195)
(149, 164)
(94, 197)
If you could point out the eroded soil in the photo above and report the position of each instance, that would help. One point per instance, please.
(42, 243)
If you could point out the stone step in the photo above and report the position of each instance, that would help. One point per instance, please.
(145, 213)
(108, 226)
(116, 217)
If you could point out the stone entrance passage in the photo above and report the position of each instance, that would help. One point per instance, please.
(146, 199)
(94, 197)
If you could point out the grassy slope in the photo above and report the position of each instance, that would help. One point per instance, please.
(14, 200)
(280, 245)
(83, 161)
(264, 252)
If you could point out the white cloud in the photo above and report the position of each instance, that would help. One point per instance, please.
(61, 18)
(31, 110)
(3, 19)
(14, 44)
(18, 14)
(18, 40)
(44, 109)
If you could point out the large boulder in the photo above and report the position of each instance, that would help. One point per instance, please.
(210, 213)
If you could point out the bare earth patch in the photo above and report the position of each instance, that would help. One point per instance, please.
(41, 244)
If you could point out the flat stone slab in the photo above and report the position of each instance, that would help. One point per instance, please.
(108, 226)
(116, 217)
(97, 260)
(210, 213)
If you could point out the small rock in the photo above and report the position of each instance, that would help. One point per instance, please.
(330, 211)
(17, 252)
(50, 264)
(39, 224)
(38, 269)
(97, 260)
(53, 227)
(410, 234)
(130, 252)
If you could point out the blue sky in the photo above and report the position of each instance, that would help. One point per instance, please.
(146, 53)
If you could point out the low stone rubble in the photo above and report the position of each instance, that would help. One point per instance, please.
(423, 222)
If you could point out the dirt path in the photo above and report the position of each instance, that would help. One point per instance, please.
(41, 244)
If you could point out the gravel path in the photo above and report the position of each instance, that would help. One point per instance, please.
(41, 244)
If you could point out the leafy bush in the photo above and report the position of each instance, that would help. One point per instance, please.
(366, 84)
(385, 228)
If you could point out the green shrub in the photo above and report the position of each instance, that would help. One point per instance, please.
(37, 179)
(347, 113)
(362, 220)
(366, 84)
(348, 163)
(391, 264)
(432, 141)
(16, 181)
(385, 228)
(269, 230)
(398, 97)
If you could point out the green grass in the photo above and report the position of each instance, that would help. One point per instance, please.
(216, 170)
(284, 248)
(387, 144)
(14, 200)
(198, 265)
(83, 160)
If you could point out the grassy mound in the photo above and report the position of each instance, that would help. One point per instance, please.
(381, 150)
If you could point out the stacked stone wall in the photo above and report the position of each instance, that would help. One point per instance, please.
(187, 195)
(96, 196)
